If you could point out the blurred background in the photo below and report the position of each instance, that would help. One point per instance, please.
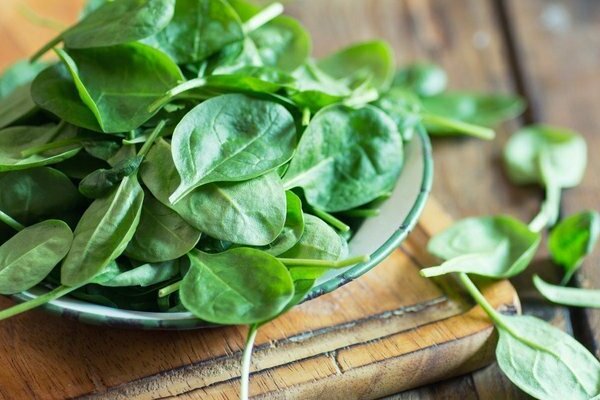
(548, 51)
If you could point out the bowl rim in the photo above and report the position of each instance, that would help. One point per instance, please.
(153, 320)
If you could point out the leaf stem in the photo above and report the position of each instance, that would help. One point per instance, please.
(306, 116)
(331, 220)
(246, 359)
(8, 220)
(267, 14)
(36, 19)
(304, 262)
(51, 146)
(152, 138)
(167, 290)
(47, 47)
(177, 90)
(480, 299)
(477, 131)
(38, 301)
(549, 210)
(362, 212)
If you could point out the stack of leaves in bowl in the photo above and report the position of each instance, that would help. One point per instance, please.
(191, 155)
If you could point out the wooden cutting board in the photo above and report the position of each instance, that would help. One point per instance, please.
(388, 331)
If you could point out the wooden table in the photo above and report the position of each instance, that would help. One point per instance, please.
(547, 51)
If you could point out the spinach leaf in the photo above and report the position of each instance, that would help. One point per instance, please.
(573, 239)
(145, 275)
(568, 296)
(54, 90)
(292, 230)
(100, 182)
(199, 28)
(544, 361)
(17, 106)
(33, 194)
(29, 256)
(161, 235)
(240, 286)
(553, 157)
(369, 61)
(120, 94)
(80, 165)
(103, 232)
(15, 144)
(230, 138)
(346, 158)
(318, 242)
(496, 247)
(17, 75)
(114, 23)
(404, 108)
(314, 89)
(217, 209)
(473, 108)
(421, 78)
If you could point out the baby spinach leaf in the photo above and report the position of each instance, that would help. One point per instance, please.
(16, 106)
(116, 22)
(103, 232)
(568, 296)
(496, 247)
(54, 90)
(314, 89)
(199, 28)
(318, 242)
(544, 361)
(14, 141)
(100, 182)
(17, 75)
(29, 256)
(372, 61)
(282, 43)
(217, 209)
(145, 275)
(120, 94)
(422, 78)
(102, 149)
(473, 108)
(33, 194)
(346, 158)
(161, 235)
(565, 153)
(293, 228)
(230, 138)
(240, 286)
(404, 108)
(234, 57)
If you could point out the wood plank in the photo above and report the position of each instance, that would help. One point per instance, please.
(559, 47)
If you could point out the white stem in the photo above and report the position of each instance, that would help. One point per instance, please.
(246, 358)
(264, 16)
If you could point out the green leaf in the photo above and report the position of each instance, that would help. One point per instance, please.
(19, 74)
(17, 106)
(573, 239)
(421, 78)
(404, 108)
(29, 256)
(116, 22)
(13, 141)
(568, 296)
(161, 235)
(314, 89)
(120, 94)
(496, 247)
(230, 138)
(564, 153)
(240, 286)
(346, 158)
(474, 108)
(217, 209)
(33, 194)
(100, 182)
(318, 242)
(145, 275)
(293, 228)
(54, 91)
(103, 233)
(544, 361)
(371, 61)
(199, 28)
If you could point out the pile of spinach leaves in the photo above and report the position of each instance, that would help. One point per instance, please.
(191, 155)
